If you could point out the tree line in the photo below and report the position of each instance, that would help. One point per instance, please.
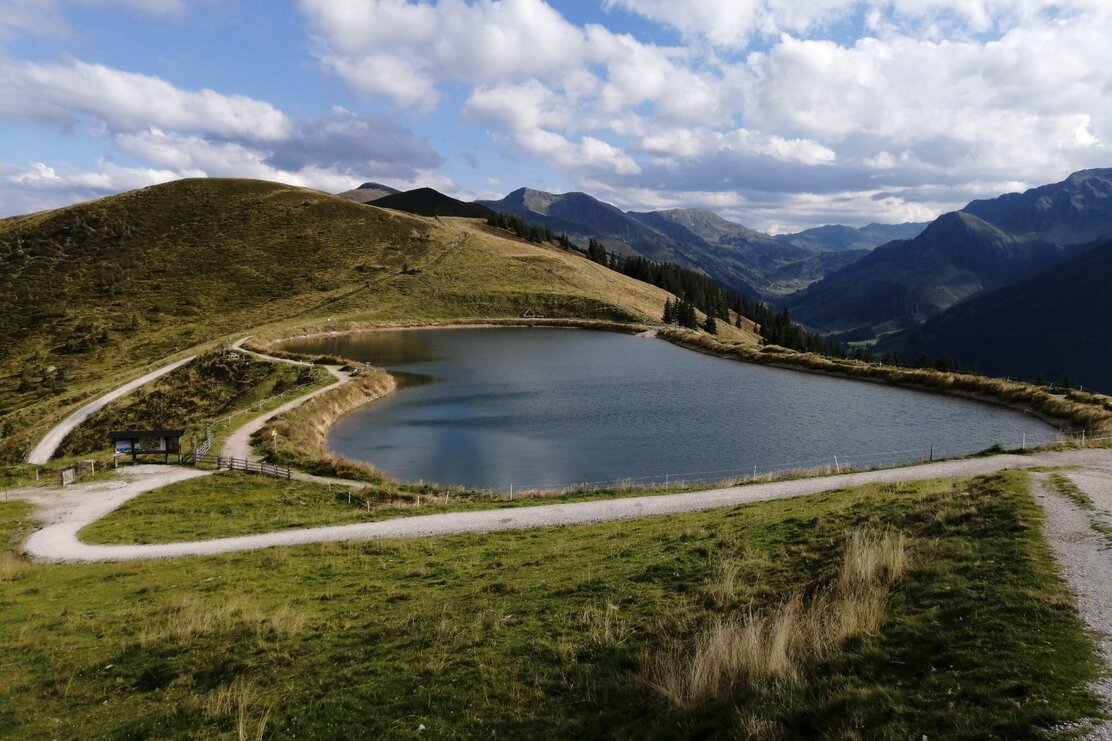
(692, 289)
(715, 300)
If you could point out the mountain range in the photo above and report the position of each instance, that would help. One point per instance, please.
(758, 264)
(987, 245)
(1011, 285)
(741, 258)
(1055, 326)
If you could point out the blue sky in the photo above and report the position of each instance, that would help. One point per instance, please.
(780, 114)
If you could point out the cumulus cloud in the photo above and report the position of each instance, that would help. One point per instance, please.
(403, 49)
(735, 23)
(181, 133)
(589, 154)
(39, 186)
(933, 94)
(47, 17)
(126, 101)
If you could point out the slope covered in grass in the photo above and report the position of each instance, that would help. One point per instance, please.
(559, 633)
(92, 294)
(214, 385)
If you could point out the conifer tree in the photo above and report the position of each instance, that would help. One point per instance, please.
(669, 312)
(710, 325)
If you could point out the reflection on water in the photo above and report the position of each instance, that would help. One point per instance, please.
(551, 407)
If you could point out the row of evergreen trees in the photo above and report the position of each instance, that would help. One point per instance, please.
(682, 313)
(693, 289)
(522, 228)
(717, 301)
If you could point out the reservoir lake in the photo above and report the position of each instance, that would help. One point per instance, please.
(547, 408)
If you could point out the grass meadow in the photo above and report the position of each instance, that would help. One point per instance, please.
(890, 611)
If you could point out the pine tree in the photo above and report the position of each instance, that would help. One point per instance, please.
(710, 325)
(687, 316)
(596, 252)
(669, 313)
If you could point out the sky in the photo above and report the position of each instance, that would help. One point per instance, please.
(779, 114)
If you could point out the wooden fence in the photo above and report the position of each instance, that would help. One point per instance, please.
(240, 464)
(202, 448)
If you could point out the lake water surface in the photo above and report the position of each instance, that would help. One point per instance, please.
(553, 407)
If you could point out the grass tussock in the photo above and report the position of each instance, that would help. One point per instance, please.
(11, 568)
(1075, 410)
(603, 625)
(774, 646)
(190, 617)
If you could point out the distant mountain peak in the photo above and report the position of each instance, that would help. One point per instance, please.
(368, 192)
(376, 186)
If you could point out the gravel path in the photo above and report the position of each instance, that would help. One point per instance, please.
(1085, 557)
(238, 444)
(57, 541)
(44, 451)
(64, 511)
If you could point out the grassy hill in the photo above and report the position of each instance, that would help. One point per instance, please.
(92, 294)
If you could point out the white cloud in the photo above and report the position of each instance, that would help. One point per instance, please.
(689, 143)
(402, 50)
(734, 23)
(588, 154)
(46, 18)
(127, 101)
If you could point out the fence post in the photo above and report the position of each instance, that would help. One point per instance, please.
(837, 468)
(511, 492)
(1024, 441)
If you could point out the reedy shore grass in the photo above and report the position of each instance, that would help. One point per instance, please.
(1072, 411)
(299, 438)
(541, 633)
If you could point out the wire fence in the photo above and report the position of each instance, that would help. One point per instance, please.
(832, 463)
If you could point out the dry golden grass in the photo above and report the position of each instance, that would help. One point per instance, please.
(10, 567)
(603, 625)
(190, 617)
(774, 646)
(239, 705)
(722, 590)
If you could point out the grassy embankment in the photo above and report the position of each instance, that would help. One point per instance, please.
(914, 609)
(98, 293)
(1069, 409)
(213, 391)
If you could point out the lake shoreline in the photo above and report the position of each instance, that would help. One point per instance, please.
(814, 418)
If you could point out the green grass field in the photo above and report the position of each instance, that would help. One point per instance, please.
(554, 633)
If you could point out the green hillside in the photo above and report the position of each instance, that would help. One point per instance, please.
(92, 294)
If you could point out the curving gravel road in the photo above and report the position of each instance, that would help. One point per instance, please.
(44, 451)
(238, 444)
(57, 540)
